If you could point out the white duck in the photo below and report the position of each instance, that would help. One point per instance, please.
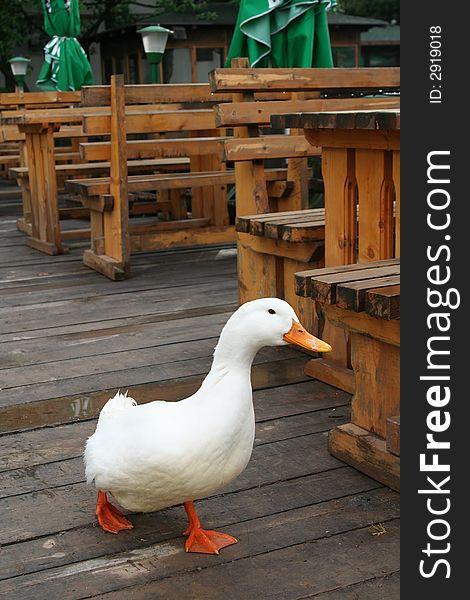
(161, 454)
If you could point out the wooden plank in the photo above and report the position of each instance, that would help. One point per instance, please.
(365, 78)
(25, 98)
(307, 252)
(262, 470)
(233, 114)
(384, 302)
(353, 295)
(313, 400)
(269, 146)
(160, 148)
(324, 287)
(365, 452)
(385, 587)
(184, 235)
(255, 223)
(316, 571)
(155, 529)
(99, 186)
(348, 138)
(386, 331)
(76, 407)
(386, 119)
(100, 95)
(154, 121)
(304, 278)
(67, 471)
(103, 167)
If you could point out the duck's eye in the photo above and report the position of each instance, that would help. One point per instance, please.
(271, 311)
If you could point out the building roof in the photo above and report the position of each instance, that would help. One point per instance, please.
(227, 13)
(386, 35)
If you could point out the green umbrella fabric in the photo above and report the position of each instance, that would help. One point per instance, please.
(66, 65)
(283, 33)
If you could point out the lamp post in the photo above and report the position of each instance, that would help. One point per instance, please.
(154, 39)
(19, 66)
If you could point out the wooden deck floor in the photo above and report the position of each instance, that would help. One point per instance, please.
(68, 339)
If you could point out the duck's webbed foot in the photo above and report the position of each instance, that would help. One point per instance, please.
(204, 540)
(109, 517)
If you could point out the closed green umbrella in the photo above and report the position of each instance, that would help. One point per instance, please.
(283, 33)
(66, 65)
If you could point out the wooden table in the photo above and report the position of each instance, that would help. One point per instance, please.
(361, 172)
(41, 215)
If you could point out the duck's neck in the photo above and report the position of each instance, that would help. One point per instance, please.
(231, 358)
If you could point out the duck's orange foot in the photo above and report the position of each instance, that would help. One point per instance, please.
(207, 541)
(204, 540)
(109, 517)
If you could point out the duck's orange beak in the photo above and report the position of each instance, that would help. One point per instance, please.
(301, 337)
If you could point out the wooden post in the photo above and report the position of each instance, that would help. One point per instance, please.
(114, 259)
(24, 223)
(45, 227)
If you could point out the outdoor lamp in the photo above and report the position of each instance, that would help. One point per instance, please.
(19, 66)
(154, 39)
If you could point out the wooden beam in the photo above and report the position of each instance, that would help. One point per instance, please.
(269, 146)
(234, 114)
(236, 80)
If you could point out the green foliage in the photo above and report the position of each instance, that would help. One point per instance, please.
(15, 24)
(374, 9)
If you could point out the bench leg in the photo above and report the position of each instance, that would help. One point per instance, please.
(256, 274)
(96, 257)
(45, 230)
(364, 443)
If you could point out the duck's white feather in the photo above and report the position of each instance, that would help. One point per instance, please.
(160, 454)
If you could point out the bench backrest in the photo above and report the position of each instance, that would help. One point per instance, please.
(302, 89)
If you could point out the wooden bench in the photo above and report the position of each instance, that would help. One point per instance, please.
(364, 300)
(195, 144)
(285, 242)
(39, 128)
(193, 134)
(12, 153)
(257, 252)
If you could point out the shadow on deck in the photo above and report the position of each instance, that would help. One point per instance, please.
(69, 338)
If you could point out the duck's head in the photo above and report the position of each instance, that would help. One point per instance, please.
(271, 322)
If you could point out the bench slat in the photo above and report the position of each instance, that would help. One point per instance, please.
(100, 186)
(303, 279)
(155, 121)
(99, 167)
(259, 113)
(159, 148)
(365, 78)
(383, 303)
(269, 146)
(352, 295)
(324, 287)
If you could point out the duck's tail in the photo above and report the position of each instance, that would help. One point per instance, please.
(118, 403)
